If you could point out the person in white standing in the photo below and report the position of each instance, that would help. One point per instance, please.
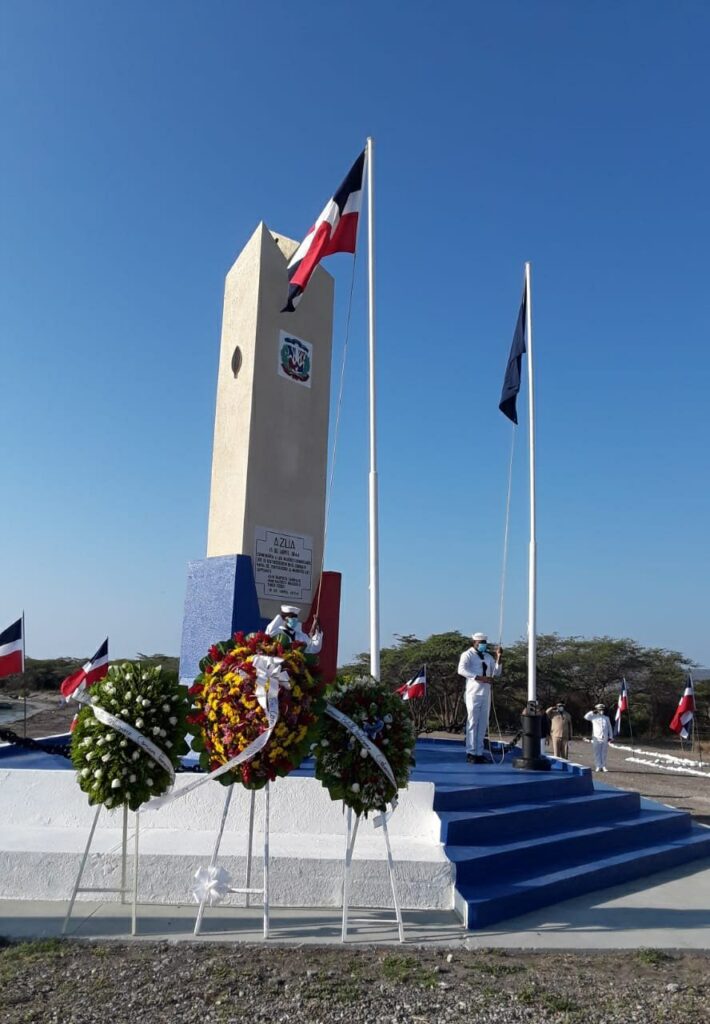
(479, 669)
(288, 622)
(601, 734)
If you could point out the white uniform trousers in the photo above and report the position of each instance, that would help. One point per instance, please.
(478, 706)
(600, 748)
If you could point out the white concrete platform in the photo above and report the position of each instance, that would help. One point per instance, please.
(46, 820)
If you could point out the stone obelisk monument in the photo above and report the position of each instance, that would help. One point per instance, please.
(269, 461)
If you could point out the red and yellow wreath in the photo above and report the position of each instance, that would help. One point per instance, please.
(228, 712)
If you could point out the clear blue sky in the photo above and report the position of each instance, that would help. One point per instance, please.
(142, 143)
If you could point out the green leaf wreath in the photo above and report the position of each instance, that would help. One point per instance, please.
(111, 769)
(344, 765)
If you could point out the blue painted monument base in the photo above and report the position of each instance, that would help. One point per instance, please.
(524, 840)
(221, 600)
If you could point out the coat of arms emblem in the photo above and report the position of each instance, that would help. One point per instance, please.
(295, 358)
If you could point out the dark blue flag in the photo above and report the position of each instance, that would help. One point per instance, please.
(511, 383)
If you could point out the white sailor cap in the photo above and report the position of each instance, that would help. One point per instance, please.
(290, 609)
(479, 637)
(599, 707)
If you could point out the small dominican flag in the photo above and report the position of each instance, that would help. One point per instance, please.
(334, 231)
(94, 669)
(621, 706)
(12, 649)
(414, 687)
(684, 712)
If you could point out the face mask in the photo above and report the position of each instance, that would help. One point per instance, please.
(483, 647)
(291, 621)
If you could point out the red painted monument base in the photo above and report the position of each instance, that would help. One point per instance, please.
(326, 606)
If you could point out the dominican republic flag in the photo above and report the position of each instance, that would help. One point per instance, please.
(621, 706)
(89, 673)
(12, 650)
(684, 712)
(414, 687)
(511, 382)
(334, 231)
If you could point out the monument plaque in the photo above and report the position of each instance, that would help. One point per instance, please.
(283, 565)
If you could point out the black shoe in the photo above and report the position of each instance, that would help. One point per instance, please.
(471, 758)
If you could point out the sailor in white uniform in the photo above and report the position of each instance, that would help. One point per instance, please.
(288, 622)
(601, 734)
(479, 669)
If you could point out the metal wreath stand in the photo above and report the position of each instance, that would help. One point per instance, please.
(210, 884)
(160, 758)
(352, 827)
(123, 888)
(247, 890)
(347, 875)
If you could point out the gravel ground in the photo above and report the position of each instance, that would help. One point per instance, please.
(54, 982)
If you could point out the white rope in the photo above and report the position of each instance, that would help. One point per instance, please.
(504, 568)
(336, 430)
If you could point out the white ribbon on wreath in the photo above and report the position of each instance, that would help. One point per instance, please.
(375, 753)
(270, 677)
(106, 718)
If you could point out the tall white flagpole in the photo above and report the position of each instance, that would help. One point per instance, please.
(374, 540)
(532, 563)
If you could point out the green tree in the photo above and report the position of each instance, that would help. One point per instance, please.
(581, 671)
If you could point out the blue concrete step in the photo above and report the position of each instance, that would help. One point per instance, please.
(569, 847)
(511, 821)
(492, 790)
(487, 901)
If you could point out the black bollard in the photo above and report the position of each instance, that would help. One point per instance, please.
(532, 759)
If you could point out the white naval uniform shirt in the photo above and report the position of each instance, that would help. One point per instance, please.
(313, 643)
(601, 725)
(471, 664)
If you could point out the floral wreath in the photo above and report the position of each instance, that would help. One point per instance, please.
(113, 769)
(345, 766)
(229, 709)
